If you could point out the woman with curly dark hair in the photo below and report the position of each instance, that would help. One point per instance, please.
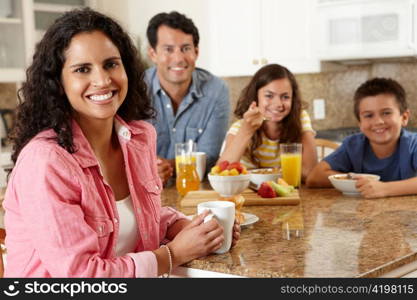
(270, 112)
(83, 198)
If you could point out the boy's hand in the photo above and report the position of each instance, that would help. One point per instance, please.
(371, 188)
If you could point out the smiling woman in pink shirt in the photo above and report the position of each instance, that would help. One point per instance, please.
(83, 199)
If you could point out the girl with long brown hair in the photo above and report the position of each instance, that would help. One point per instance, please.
(270, 112)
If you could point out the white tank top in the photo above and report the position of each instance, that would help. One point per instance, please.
(128, 229)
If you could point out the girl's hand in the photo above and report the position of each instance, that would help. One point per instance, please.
(252, 118)
(371, 188)
(236, 233)
(197, 239)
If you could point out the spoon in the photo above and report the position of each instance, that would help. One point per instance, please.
(352, 175)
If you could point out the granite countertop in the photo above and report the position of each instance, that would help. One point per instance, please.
(338, 236)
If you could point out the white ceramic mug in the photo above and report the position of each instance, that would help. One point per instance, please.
(200, 159)
(224, 212)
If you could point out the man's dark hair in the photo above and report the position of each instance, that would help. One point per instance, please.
(377, 86)
(173, 20)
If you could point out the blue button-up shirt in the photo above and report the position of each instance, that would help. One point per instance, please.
(202, 116)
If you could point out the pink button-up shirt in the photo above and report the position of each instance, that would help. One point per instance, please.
(61, 218)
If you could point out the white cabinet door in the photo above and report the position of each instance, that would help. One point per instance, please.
(245, 35)
(233, 37)
(287, 39)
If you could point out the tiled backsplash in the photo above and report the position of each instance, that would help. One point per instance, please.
(338, 87)
(8, 98)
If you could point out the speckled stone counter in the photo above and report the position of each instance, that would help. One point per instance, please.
(329, 236)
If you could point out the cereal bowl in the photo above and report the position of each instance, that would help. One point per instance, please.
(347, 185)
(257, 176)
(228, 186)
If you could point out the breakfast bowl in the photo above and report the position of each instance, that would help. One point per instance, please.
(257, 176)
(228, 186)
(346, 183)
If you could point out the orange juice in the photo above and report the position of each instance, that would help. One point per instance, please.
(291, 168)
(187, 178)
(186, 159)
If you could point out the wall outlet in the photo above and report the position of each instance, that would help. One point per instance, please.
(319, 109)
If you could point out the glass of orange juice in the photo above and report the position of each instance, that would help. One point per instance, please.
(185, 164)
(291, 163)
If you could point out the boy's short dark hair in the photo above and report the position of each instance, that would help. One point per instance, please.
(377, 86)
(173, 20)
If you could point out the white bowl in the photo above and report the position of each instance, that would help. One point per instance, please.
(257, 178)
(348, 186)
(228, 186)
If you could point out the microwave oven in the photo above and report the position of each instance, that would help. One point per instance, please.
(366, 29)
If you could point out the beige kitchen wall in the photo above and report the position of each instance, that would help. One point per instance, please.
(337, 89)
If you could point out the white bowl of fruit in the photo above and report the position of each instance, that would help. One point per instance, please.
(229, 179)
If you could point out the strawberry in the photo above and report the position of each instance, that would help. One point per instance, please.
(223, 165)
(266, 191)
(236, 165)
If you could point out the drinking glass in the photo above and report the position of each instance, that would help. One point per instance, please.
(291, 163)
(185, 165)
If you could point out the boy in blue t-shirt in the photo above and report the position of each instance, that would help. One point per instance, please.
(383, 147)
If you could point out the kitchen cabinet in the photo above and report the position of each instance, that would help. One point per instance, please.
(244, 35)
(16, 44)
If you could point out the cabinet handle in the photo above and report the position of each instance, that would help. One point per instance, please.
(264, 61)
(255, 62)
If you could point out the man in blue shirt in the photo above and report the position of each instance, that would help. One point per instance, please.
(190, 102)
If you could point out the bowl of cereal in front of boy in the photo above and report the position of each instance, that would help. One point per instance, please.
(346, 183)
